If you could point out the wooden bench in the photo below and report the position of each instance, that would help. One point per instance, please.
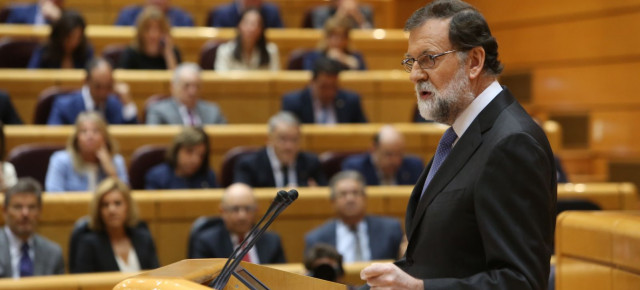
(598, 250)
(170, 214)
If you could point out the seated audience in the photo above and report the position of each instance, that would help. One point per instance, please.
(8, 177)
(116, 242)
(322, 101)
(23, 252)
(176, 16)
(153, 47)
(356, 235)
(335, 45)
(97, 95)
(359, 16)
(185, 107)
(67, 46)
(323, 261)
(40, 13)
(187, 164)
(386, 164)
(250, 49)
(280, 163)
(229, 15)
(8, 113)
(238, 211)
(90, 157)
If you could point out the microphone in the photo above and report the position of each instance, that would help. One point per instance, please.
(279, 203)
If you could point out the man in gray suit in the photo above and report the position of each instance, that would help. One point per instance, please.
(356, 235)
(185, 107)
(23, 252)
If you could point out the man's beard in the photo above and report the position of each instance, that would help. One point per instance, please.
(444, 107)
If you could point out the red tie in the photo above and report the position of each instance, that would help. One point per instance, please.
(246, 257)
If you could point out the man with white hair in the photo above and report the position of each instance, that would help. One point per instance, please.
(185, 107)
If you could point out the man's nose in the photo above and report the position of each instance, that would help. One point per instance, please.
(418, 74)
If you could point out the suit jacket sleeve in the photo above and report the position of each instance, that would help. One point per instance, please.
(86, 259)
(513, 218)
(154, 117)
(243, 171)
(34, 61)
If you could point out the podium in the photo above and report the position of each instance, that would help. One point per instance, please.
(198, 273)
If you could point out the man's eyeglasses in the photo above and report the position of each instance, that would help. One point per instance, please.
(425, 61)
(238, 208)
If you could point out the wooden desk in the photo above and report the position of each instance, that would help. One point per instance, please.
(598, 250)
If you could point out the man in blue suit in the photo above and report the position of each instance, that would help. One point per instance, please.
(356, 235)
(176, 16)
(386, 164)
(229, 15)
(96, 95)
(43, 12)
(322, 101)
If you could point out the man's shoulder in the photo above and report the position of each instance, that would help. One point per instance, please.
(163, 105)
(382, 220)
(357, 160)
(131, 10)
(207, 106)
(308, 157)
(321, 231)
(51, 247)
(348, 95)
(69, 99)
(254, 158)
(412, 162)
(224, 9)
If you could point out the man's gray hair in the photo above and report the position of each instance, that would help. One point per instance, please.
(282, 117)
(346, 174)
(183, 67)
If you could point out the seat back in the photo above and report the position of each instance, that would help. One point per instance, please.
(112, 53)
(143, 159)
(296, 59)
(16, 53)
(229, 162)
(32, 160)
(45, 103)
(331, 161)
(208, 54)
(307, 19)
(200, 225)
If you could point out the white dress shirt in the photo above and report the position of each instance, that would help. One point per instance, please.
(276, 167)
(15, 253)
(186, 119)
(319, 113)
(131, 265)
(346, 241)
(462, 123)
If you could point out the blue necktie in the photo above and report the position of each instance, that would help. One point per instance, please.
(444, 147)
(26, 265)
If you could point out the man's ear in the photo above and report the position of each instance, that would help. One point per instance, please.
(475, 61)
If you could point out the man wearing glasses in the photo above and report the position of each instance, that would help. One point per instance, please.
(238, 211)
(482, 214)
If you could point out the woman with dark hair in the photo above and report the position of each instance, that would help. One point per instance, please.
(335, 45)
(153, 47)
(116, 241)
(8, 176)
(250, 49)
(67, 46)
(187, 164)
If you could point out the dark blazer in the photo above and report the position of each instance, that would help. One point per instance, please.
(346, 103)
(163, 176)
(228, 15)
(176, 16)
(255, 170)
(95, 254)
(8, 113)
(66, 109)
(385, 236)
(36, 61)
(486, 220)
(215, 242)
(407, 174)
(22, 14)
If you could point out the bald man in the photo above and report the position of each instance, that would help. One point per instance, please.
(222, 235)
(386, 163)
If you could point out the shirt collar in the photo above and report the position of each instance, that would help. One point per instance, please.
(14, 242)
(89, 105)
(462, 123)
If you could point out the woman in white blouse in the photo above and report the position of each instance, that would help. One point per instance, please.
(250, 49)
(117, 241)
(7, 171)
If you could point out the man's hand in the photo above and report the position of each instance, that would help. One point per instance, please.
(389, 276)
(50, 11)
(123, 91)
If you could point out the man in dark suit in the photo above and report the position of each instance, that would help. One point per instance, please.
(238, 211)
(22, 251)
(280, 163)
(8, 114)
(41, 13)
(322, 101)
(176, 16)
(356, 235)
(229, 15)
(482, 214)
(386, 164)
(96, 95)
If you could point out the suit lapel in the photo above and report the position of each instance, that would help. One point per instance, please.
(40, 256)
(308, 115)
(266, 164)
(175, 117)
(5, 256)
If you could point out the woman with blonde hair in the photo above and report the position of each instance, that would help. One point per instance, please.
(90, 156)
(187, 163)
(335, 45)
(116, 241)
(153, 47)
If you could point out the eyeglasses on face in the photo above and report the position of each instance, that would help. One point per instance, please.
(425, 61)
